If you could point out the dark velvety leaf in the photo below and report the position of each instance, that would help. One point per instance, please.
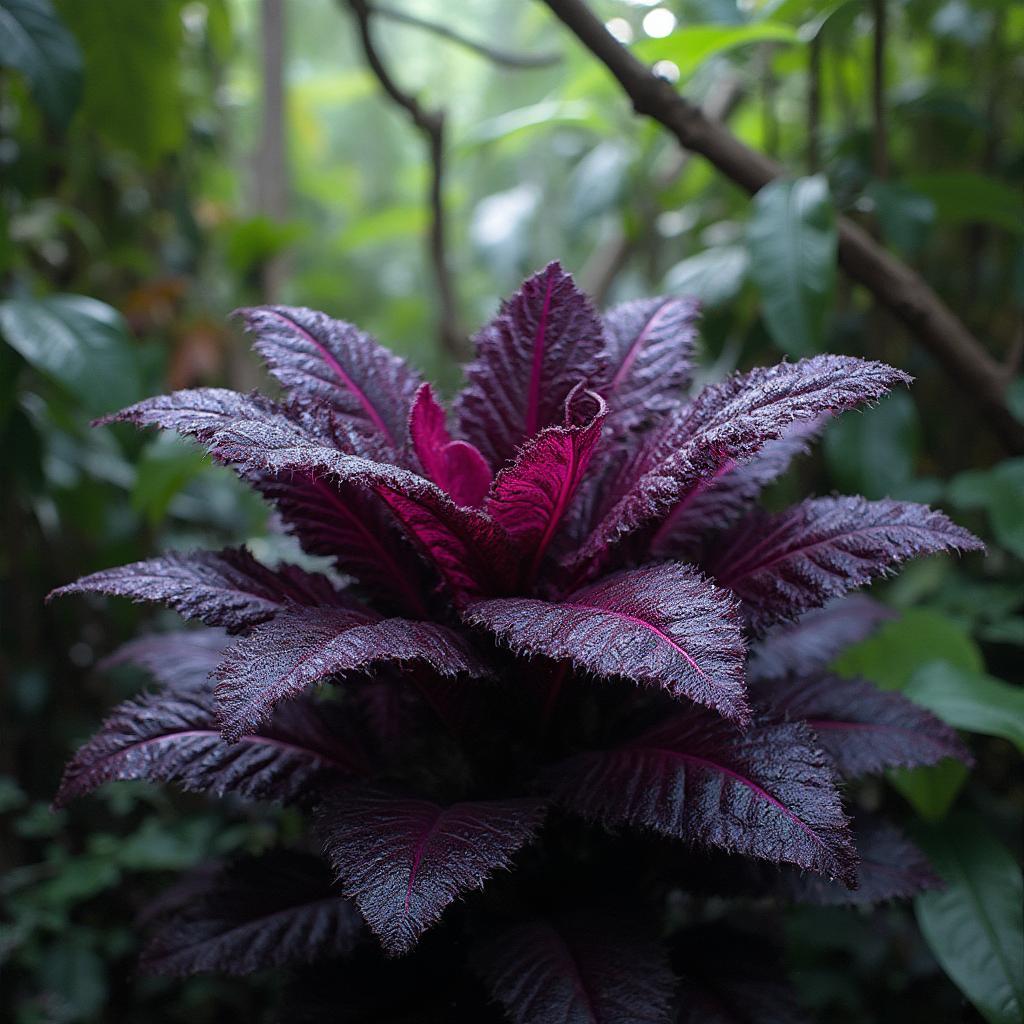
(731, 977)
(543, 342)
(725, 497)
(403, 860)
(531, 497)
(320, 360)
(455, 466)
(863, 729)
(726, 423)
(663, 625)
(786, 564)
(577, 970)
(816, 638)
(228, 588)
(891, 868)
(768, 792)
(276, 910)
(181, 661)
(650, 348)
(286, 656)
(175, 737)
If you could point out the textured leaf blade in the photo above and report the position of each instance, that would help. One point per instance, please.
(181, 661)
(321, 360)
(543, 342)
(298, 649)
(786, 564)
(276, 910)
(816, 638)
(175, 737)
(531, 497)
(577, 970)
(403, 861)
(228, 588)
(864, 730)
(768, 792)
(455, 466)
(662, 626)
(650, 349)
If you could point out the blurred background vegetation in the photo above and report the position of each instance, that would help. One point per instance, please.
(163, 162)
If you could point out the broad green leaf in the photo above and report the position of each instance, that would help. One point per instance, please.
(971, 701)
(166, 465)
(900, 648)
(34, 41)
(904, 215)
(975, 926)
(689, 47)
(1000, 491)
(79, 342)
(596, 183)
(387, 225)
(930, 791)
(539, 115)
(964, 198)
(792, 242)
(715, 276)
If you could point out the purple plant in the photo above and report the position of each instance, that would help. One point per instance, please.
(563, 640)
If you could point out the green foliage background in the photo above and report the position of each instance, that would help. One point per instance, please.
(128, 231)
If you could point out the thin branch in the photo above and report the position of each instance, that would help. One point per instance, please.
(430, 124)
(893, 283)
(814, 46)
(518, 61)
(880, 126)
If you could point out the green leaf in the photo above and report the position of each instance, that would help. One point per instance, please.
(1000, 491)
(691, 46)
(975, 926)
(965, 198)
(34, 41)
(905, 216)
(900, 648)
(79, 342)
(166, 465)
(539, 115)
(930, 791)
(714, 276)
(792, 242)
(970, 700)
(596, 183)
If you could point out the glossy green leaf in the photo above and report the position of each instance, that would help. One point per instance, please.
(965, 198)
(970, 700)
(930, 791)
(975, 926)
(79, 342)
(1000, 492)
(905, 216)
(34, 41)
(714, 276)
(792, 242)
(691, 46)
(166, 465)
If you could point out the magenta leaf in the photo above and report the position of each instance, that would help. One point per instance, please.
(531, 496)
(786, 564)
(175, 737)
(227, 588)
(816, 638)
(179, 662)
(663, 625)
(863, 729)
(726, 423)
(320, 360)
(579, 969)
(650, 348)
(299, 648)
(403, 860)
(276, 910)
(455, 466)
(768, 792)
(543, 342)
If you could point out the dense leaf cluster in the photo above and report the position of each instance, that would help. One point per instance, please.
(563, 639)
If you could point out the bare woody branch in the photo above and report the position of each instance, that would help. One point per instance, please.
(431, 125)
(895, 285)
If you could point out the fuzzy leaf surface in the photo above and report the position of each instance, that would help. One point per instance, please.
(175, 737)
(663, 625)
(298, 649)
(403, 860)
(785, 564)
(543, 342)
(181, 661)
(768, 792)
(276, 910)
(577, 970)
(865, 730)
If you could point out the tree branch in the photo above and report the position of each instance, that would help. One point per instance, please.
(895, 285)
(519, 61)
(430, 124)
